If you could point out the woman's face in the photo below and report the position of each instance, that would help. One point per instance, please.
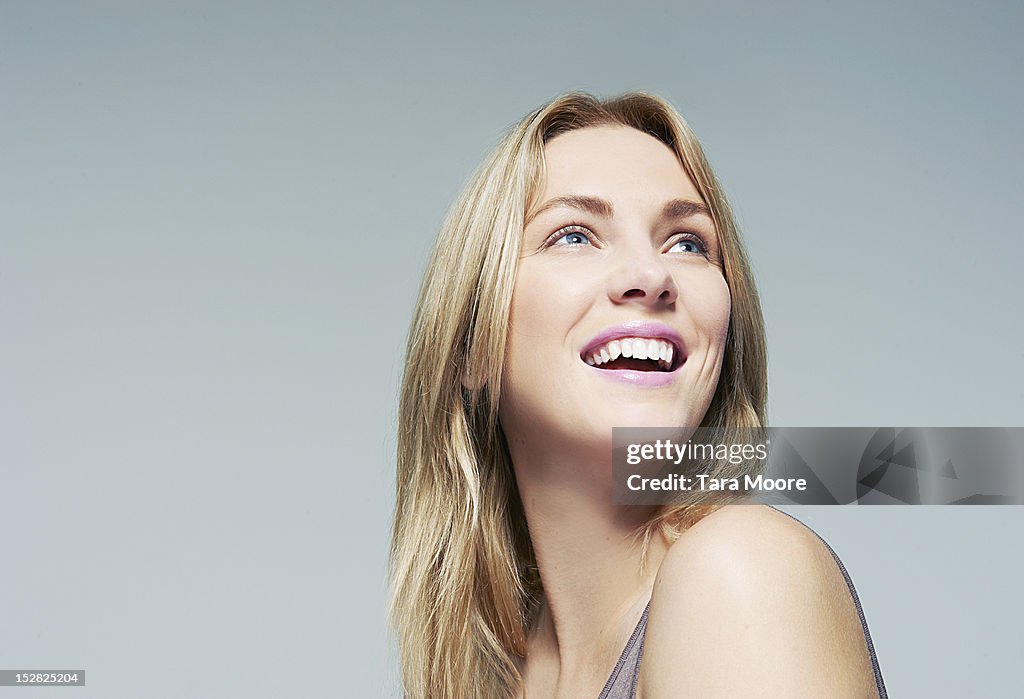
(620, 310)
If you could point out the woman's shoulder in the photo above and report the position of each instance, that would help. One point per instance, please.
(757, 535)
(748, 556)
(749, 600)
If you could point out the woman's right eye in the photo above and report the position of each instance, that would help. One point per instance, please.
(570, 236)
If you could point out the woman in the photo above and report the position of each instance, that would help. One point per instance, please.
(591, 276)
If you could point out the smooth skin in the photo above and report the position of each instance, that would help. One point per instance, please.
(750, 603)
(747, 603)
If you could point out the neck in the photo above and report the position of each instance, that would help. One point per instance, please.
(592, 566)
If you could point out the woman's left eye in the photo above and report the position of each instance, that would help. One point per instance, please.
(688, 244)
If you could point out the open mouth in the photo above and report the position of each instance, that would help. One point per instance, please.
(635, 354)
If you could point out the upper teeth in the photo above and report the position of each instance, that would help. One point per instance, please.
(634, 347)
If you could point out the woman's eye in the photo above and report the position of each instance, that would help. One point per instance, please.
(688, 245)
(571, 237)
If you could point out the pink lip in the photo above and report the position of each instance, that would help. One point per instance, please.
(639, 328)
(639, 378)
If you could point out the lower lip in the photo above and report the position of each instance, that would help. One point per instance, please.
(644, 379)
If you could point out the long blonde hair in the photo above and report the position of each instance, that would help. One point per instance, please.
(464, 578)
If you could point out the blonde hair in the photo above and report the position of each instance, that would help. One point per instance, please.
(464, 579)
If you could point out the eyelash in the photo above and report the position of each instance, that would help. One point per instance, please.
(696, 240)
(589, 235)
(566, 230)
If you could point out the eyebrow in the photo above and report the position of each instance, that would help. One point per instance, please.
(593, 205)
(684, 208)
(676, 208)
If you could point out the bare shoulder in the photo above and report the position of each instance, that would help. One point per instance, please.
(749, 602)
(751, 535)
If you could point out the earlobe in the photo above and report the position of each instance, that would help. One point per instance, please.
(474, 372)
(471, 381)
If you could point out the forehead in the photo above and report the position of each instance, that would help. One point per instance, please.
(615, 162)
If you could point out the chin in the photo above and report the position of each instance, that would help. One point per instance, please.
(643, 416)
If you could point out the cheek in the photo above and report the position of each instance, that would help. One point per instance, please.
(532, 334)
(532, 321)
(711, 307)
(544, 307)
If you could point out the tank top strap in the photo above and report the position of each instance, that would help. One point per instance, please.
(621, 683)
(879, 682)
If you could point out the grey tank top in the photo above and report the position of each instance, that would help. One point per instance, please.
(622, 682)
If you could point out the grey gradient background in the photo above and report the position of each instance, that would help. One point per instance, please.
(213, 220)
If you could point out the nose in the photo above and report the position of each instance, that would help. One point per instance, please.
(642, 277)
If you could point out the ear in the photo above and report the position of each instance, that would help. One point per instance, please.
(471, 381)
